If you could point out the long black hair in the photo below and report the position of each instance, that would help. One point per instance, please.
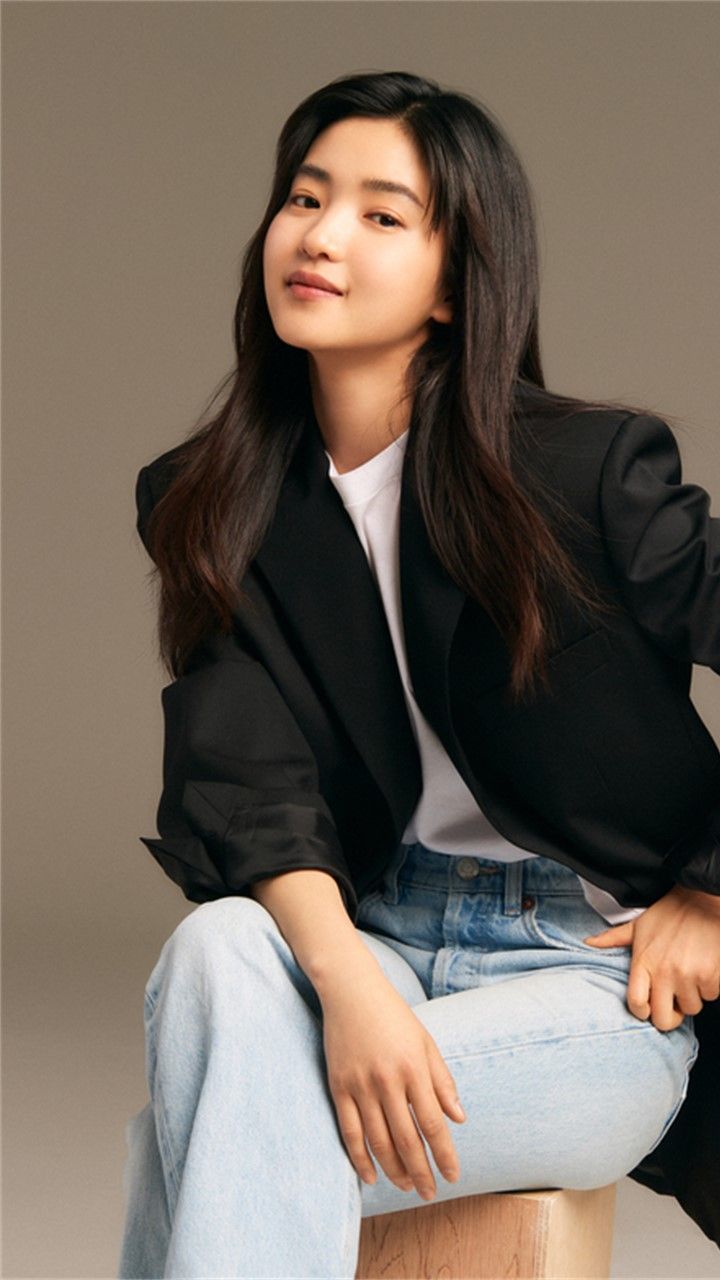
(463, 384)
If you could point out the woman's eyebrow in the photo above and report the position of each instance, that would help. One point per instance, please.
(367, 184)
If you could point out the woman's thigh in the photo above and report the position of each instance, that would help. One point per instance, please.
(561, 1084)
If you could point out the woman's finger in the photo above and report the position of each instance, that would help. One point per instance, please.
(638, 991)
(408, 1141)
(381, 1144)
(709, 987)
(687, 997)
(443, 1082)
(663, 1014)
(352, 1132)
(433, 1126)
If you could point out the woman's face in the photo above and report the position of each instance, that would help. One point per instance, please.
(373, 245)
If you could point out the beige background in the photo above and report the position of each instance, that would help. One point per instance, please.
(137, 148)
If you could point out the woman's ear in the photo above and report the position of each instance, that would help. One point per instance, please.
(443, 312)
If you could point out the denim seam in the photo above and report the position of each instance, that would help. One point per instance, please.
(670, 1120)
(574, 1035)
(351, 1241)
(168, 1160)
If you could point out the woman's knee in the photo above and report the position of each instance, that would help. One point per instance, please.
(675, 1055)
(214, 933)
(236, 917)
(656, 1069)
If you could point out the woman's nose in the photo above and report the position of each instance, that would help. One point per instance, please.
(326, 235)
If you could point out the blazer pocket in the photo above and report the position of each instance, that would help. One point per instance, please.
(580, 659)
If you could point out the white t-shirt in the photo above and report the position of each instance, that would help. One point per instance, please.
(447, 818)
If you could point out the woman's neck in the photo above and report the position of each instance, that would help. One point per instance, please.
(360, 409)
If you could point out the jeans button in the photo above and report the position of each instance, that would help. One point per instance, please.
(467, 868)
(527, 903)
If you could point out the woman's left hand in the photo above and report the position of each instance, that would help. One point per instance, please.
(675, 955)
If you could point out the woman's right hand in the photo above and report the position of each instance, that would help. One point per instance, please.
(380, 1058)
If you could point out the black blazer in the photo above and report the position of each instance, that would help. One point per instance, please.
(288, 744)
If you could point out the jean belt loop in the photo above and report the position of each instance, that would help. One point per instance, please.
(392, 871)
(513, 887)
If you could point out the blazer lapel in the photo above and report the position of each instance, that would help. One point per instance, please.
(317, 570)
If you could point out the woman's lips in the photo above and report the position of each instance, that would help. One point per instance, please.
(309, 291)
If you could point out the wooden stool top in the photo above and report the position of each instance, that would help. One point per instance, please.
(556, 1233)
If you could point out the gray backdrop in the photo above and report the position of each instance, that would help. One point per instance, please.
(137, 148)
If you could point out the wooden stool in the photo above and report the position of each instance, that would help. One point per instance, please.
(559, 1233)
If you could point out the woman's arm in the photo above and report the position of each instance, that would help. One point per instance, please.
(309, 911)
(664, 546)
(662, 541)
(241, 796)
(379, 1056)
(240, 779)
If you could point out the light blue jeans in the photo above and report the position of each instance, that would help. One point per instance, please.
(236, 1167)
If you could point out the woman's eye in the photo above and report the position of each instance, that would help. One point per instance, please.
(388, 216)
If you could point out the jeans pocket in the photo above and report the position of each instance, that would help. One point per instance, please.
(563, 920)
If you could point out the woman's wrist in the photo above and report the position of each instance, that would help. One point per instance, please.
(697, 896)
(335, 967)
(308, 908)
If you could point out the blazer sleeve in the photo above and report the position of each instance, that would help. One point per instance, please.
(664, 547)
(241, 799)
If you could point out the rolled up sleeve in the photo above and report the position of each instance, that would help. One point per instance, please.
(241, 797)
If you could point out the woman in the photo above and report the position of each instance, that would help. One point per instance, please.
(431, 771)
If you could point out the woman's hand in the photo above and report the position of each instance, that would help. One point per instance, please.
(675, 955)
(380, 1058)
